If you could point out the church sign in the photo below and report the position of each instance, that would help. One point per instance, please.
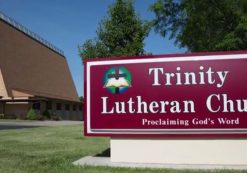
(183, 95)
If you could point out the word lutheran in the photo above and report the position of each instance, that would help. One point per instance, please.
(202, 77)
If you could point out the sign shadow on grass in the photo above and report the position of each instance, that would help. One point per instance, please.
(105, 153)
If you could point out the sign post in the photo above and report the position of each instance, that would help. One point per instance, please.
(160, 108)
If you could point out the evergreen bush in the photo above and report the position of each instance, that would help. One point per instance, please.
(47, 114)
(32, 115)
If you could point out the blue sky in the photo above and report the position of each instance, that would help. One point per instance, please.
(68, 23)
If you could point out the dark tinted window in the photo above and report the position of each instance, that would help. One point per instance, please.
(67, 107)
(58, 106)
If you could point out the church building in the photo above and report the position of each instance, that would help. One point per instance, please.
(34, 74)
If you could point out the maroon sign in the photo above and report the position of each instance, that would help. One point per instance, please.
(186, 95)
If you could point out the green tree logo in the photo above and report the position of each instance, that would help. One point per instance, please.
(117, 80)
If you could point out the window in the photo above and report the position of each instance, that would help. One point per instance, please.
(67, 107)
(36, 105)
(58, 106)
(80, 107)
(74, 107)
(49, 105)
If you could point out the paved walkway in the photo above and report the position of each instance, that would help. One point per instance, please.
(106, 161)
(18, 124)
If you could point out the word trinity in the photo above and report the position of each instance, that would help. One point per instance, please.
(202, 77)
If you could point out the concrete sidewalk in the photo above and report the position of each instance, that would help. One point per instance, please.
(38, 123)
(106, 161)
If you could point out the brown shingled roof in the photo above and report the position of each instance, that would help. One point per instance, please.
(29, 66)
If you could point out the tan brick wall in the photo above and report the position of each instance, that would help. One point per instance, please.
(3, 92)
(20, 110)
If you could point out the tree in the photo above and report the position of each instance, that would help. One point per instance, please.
(203, 25)
(121, 33)
(81, 98)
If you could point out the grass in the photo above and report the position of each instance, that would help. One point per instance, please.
(53, 149)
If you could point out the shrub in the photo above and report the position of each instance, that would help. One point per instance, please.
(56, 117)
(1, 116)
(32, 115)
(40, 117)
(8, 116)
(47, 114)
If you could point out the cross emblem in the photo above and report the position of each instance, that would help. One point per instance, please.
(116, 75)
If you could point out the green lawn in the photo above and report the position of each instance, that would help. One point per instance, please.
(53, 149)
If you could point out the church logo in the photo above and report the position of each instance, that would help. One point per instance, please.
(117, 80)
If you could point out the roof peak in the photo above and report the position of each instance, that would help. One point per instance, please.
(30, 33)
